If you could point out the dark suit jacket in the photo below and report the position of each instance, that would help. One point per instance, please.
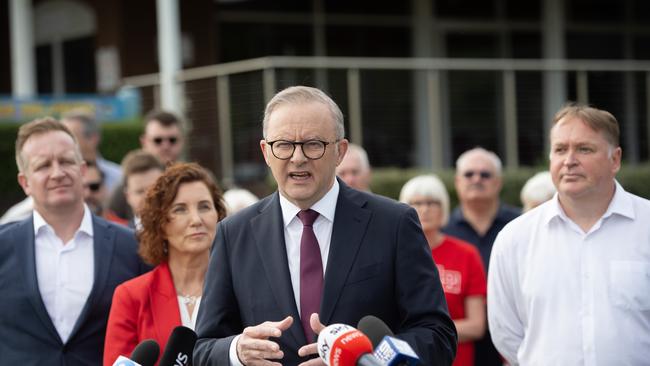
(379, 264)
(145, 307)
(27, 334)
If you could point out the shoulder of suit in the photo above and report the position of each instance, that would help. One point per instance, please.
(374, 202)
(144, 280)
(251, 211)
(109, 225)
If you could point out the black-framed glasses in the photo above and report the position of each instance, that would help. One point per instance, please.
(483, 174)
(159, 140)
(311, 149)
(94, 186)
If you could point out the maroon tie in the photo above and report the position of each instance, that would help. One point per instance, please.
(311, 272)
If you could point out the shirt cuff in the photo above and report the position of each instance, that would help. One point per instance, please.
(234, 359)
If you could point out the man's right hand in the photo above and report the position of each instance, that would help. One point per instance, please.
(254, 347)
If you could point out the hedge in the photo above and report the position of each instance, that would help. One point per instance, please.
(119, 138)
(389, 182)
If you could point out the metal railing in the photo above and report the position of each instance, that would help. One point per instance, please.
(431, 89)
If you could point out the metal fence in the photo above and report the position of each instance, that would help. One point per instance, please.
(410, 111)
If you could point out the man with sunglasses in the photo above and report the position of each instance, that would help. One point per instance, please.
(479, 218)
(162, 138)
(94, 189)
(316, 252)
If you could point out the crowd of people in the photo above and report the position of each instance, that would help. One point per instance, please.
(100, 257)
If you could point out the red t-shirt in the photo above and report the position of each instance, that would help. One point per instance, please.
(462, 275)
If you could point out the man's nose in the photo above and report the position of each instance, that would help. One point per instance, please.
(298, 155)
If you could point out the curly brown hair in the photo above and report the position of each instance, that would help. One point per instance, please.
(158, 200)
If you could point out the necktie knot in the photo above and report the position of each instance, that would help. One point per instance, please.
(307, 217)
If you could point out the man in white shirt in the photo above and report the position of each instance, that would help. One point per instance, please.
(58, 267)
(569, 281)
(316, 252)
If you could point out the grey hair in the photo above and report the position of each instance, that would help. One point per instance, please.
(361, 153)
(428, 186)
(304, 94)
(237, 199)
(538, 188)
(89, 123)
(494, 158)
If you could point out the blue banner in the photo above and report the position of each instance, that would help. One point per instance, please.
(124, 106)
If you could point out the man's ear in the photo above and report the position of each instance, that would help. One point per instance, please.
(617, 155)
(24, 184)
(265, 152)
(343, 148)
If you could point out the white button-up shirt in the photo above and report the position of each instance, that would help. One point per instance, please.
(65, 271)
(323, 226)
(326, 207)
(560, 296)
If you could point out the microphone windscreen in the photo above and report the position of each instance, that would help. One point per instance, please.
(374, 328)
(179, 348)
(146, 353)
(342, 345)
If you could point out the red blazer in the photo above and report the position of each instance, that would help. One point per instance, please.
(145, 307)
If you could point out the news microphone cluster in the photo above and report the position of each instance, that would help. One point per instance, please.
(343, 345)
(389, 350)
(180, 346)
(145, 354)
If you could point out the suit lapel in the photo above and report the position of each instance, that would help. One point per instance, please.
(268, 230)
(103, 246)
(350, 223)
(165, 312)
(25, 245)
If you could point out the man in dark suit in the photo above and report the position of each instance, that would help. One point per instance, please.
(268, 291)
(59, 267)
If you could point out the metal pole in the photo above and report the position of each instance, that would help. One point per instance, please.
(169, 54)
(434, 116)
(354, 106)
(23, 71)
(510, 118)
(225, 133)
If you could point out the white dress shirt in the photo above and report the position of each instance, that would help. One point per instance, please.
(187, 319)
(560, 296)
(65, 271)
(323, 225)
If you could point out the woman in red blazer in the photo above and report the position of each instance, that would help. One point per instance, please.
(179, 222)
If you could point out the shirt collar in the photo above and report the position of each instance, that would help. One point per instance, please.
(85, 227)
(326, 206)
(621, 204)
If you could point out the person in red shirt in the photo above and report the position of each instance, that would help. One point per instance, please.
(459, 263)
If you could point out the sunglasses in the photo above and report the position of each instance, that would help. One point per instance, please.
(159, 140)
(483, 174)
(94, 186)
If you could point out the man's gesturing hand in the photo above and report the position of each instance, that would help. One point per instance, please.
(254, 347)
(312, 348)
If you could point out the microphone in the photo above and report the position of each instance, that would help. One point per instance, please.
(145, 354)
(123, 361)
(342, 345)
(388, 349)
(374, 328)
(179, 348)
(396, 352)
